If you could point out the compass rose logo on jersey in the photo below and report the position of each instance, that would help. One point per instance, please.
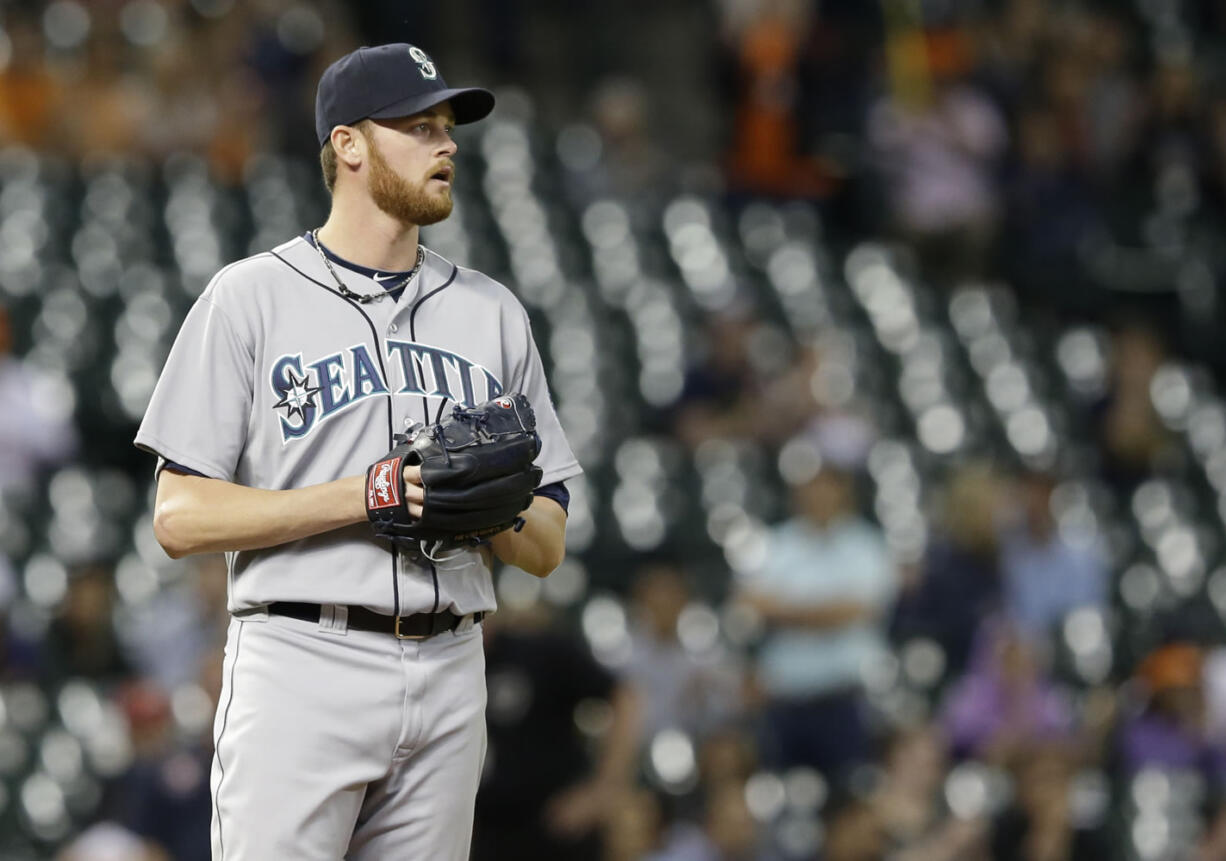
(297, 397)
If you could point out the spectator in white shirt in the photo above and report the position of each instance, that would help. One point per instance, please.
(33, 431)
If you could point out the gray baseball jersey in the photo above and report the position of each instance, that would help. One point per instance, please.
(277, 381)
(330, 742)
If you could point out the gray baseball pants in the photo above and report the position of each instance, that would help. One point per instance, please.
(335, 744)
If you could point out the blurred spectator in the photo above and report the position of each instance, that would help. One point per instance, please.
(1113, 97)
(749, 383)
(32, 432)
(81, 639)
(1050, 209)
(279, 50)
(823, 594)
(1005, 706)
(1131, 435)
(112, 98)
(186, 110)
(1215, 169)
(838, 74)
(727, 755)
(147, 710)
(959, 581)
(1043, 823)
(1046, 576)
(31, 96)
(913, 822)
(19, 654)
(1009, 48)
(634, 828)
(1063, 82)
(764, 154)
(180, 626)
(855, 834)
(732, 833)
(232, 124)
(1213, 673)
(728, 832)
(843, 438)
(720, 389)
(165, 793)
(678, 688)
(1213, 843)
(788, 398)
(938, 154)
(1170, 731)
(631, 163)
(541, 796)
(107, 841)
(207, 100)
(1171, 131)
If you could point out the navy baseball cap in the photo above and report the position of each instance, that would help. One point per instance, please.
(396, 80)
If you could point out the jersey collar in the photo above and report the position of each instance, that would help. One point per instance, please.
(390, 281)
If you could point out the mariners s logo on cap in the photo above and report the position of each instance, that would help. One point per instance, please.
(424, 64)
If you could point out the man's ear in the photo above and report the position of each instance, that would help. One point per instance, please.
(350, 145)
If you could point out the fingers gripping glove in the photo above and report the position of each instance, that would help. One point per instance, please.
(476, 469)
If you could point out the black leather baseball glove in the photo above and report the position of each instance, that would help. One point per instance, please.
(476, 468)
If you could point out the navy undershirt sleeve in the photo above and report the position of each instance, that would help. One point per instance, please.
(178, 467)
(557, 492)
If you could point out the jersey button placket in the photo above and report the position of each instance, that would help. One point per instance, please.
(392, 329)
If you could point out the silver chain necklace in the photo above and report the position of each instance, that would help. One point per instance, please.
(367, 297)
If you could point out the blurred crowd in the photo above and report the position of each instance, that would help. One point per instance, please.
(149, 79)
(839, 692)
(1076, 149)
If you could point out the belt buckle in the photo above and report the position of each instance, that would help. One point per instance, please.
(400, 636)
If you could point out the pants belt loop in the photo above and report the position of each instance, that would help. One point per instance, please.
(334, 618)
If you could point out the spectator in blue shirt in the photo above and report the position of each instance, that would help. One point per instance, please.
(823, 595)
(1047, 574)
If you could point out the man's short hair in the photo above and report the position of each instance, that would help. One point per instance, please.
(328, 161)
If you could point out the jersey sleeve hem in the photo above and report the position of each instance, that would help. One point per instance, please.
(561, 473)
(153, 445)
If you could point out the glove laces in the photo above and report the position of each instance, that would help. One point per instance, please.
(425, 547)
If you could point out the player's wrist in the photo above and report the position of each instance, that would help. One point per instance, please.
(503, 543)
(353, 498)
(538, 548)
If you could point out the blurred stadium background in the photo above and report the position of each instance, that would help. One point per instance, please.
(887, 333)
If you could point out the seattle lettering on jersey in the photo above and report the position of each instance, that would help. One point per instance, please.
(312, 392)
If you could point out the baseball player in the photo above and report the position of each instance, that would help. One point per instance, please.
(351, 720)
